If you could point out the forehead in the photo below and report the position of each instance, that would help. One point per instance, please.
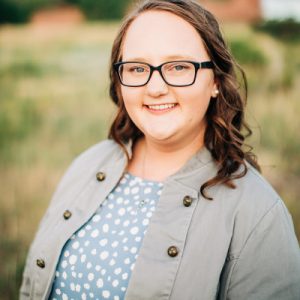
(155, 35)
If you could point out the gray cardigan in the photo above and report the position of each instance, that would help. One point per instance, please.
(241, 245)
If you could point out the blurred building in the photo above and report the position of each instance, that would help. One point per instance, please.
(234, 10)
(253, 10)
(67, 14)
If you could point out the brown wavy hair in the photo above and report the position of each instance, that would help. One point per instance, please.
(226, 128)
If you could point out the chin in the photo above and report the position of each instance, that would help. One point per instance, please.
(161, 137)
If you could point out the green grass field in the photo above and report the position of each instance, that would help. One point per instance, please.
(54, 103)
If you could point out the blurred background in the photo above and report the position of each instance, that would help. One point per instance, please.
(54, 101)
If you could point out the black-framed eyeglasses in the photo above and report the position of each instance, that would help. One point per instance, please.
(174, 73)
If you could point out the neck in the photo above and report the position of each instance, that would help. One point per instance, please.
(156, 160)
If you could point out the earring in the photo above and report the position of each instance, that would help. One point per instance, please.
(216, 93)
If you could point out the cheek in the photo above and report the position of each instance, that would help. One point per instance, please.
(196, 101)
(132, 102)
(130, 95)
(195, 107)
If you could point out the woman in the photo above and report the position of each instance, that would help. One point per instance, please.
(171, 206)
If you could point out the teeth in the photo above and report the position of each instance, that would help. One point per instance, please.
(161, 106)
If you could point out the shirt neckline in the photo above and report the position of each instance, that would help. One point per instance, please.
(143, 180)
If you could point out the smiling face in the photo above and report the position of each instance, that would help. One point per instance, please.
(164, 113)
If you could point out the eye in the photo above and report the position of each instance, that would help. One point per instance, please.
(137, 69)
(179, 67)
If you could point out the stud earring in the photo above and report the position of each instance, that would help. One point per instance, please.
(216, 93)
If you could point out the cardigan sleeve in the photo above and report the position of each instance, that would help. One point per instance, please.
(268, 266)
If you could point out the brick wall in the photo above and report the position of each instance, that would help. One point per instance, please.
(234, 10)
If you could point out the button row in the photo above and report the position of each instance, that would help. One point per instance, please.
(172, 252)
(187, 200)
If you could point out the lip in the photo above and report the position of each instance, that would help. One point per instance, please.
(160, 108)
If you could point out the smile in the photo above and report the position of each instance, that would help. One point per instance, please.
(160, 107)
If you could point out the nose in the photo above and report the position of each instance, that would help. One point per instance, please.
(156, 85)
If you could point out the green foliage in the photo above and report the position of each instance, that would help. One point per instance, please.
(246, 53)
(287, 30)
(27, 68)
(22, 68)
(20, 11)
(103, 9)
(18, 125)
(16, 11)
(289, 149)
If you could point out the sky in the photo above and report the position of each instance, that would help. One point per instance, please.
(280, 9)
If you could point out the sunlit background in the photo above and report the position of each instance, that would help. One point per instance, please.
(54, 101)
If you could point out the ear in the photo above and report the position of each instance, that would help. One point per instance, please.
(215, 91)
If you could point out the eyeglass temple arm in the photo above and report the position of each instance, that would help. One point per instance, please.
(206, 65)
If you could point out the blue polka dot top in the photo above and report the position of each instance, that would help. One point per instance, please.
(97, 261)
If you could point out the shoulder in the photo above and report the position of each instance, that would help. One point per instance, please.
(96, 155)
(263, 243)
(256, 207)
(252, 197)
(98, 152)
(254, 193)
(84, 167)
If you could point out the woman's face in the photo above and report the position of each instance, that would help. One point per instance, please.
(156, 37)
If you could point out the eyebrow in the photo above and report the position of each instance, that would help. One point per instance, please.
(165, 58)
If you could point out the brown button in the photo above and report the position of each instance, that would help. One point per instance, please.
(187, 201)
(100, 176)
(172, 251)
(67, 215)
(41, 263)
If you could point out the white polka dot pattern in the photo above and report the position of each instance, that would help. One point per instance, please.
(97, 261)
